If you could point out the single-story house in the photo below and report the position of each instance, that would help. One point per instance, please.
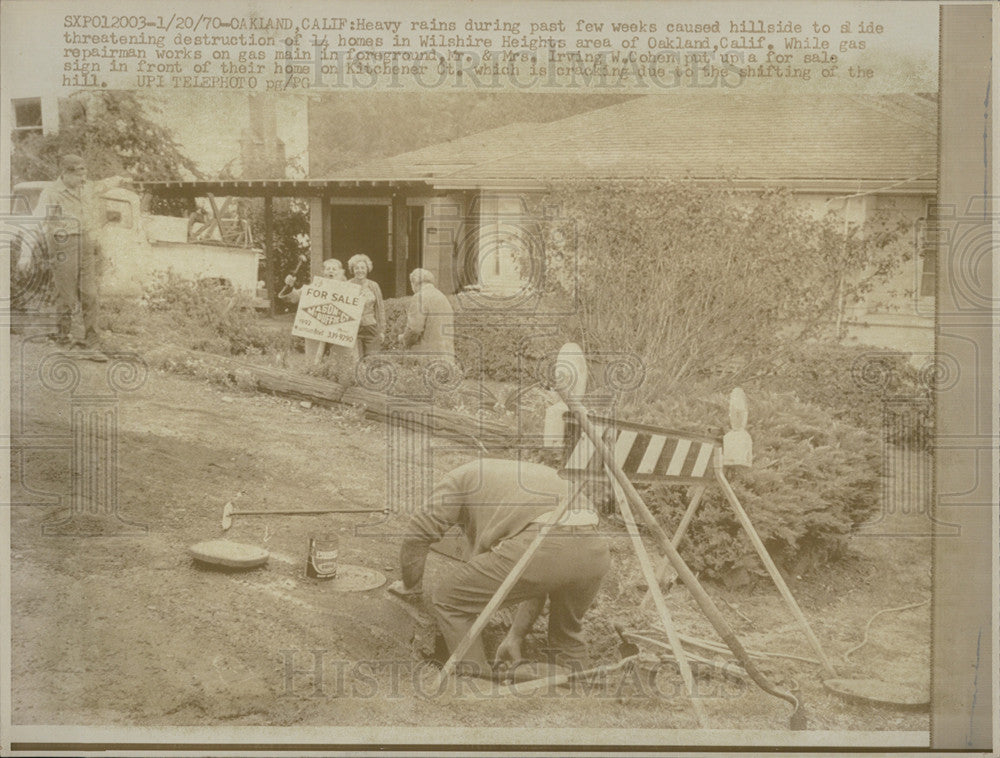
(455, 208)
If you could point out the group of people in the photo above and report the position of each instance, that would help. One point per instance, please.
(371, 332)
(429, 317)
(500, 504)
(71, 208)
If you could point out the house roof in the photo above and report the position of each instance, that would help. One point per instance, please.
(818, 142)
(810, 142)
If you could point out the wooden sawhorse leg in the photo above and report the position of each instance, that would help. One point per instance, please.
(661, 605)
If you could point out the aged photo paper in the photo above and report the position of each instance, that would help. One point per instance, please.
(498, 376)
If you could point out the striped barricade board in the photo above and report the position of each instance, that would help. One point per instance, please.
(645, 453)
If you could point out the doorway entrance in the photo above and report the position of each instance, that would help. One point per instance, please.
(364, 229)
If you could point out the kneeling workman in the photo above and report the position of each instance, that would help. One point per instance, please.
(501, 505)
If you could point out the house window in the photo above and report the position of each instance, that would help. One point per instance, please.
(27, 115)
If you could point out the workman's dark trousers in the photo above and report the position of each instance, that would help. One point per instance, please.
(567, 567)
(75, 280)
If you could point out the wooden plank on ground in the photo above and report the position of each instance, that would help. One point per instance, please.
(438, 420)
(377, 405)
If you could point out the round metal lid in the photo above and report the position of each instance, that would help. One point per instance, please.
(230, 554)
(355, 579)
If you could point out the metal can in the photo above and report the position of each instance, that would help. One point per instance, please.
(324, 550)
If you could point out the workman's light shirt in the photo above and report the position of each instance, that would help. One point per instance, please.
(73, 211)
(495, 499)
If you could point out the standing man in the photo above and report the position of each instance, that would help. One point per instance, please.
(430, 320)
(501, 505)
(71, 208)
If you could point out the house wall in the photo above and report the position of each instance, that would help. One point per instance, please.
(502, 241)
(48, 105)
(897, 314)
(474, 239)
(444, 237)
(448, 238)
(910, 297)
(193, 261)
(900, 294)
(127, 273)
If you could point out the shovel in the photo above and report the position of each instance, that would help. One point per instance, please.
(228, 511)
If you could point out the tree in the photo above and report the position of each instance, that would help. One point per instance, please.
(112, 130)
(289, 234)
(704, 283)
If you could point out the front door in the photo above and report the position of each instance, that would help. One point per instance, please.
(364, 229)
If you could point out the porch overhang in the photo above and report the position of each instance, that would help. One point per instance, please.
(283, 187)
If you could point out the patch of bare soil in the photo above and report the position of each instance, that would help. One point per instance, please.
(123, 628)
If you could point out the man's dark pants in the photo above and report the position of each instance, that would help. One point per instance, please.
(567, 567)
(75, 278)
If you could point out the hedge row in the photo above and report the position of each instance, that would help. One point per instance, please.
(502, 347)
(814, 479)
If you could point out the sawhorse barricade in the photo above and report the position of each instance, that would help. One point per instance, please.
(646, 453)
(665, 455)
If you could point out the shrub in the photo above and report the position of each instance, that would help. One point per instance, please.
(813, 479)
(216, 318)
(289, 232)
(337, 367)
(125, 315)
(179, 361)
(865, 386)
(395, 320)
(503, 347)
(719, 280)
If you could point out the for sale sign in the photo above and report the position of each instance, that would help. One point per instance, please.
(329, 310)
